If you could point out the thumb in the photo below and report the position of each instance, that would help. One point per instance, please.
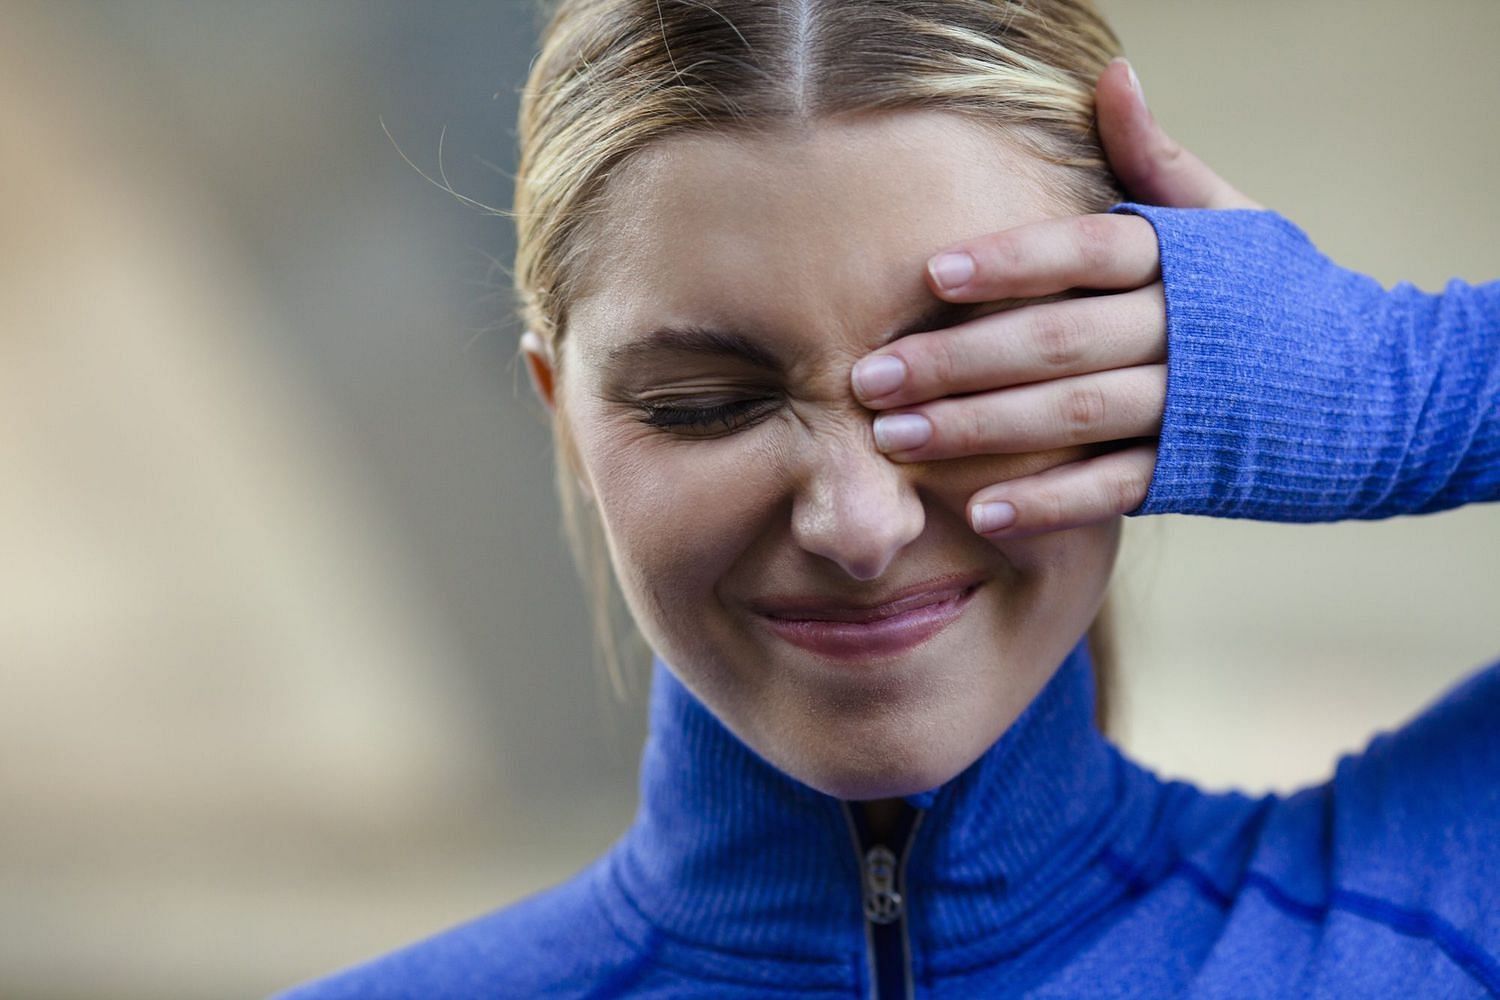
(1153, 167)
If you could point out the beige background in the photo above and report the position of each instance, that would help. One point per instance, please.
(295, 666)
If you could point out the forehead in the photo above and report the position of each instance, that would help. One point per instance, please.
(826, 228)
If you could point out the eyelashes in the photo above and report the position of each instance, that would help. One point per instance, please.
(724, 417)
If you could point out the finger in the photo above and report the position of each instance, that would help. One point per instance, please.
(1068, 496)
(1084, 409)
(1053, 255)
(1153, 167)
(1028, 344)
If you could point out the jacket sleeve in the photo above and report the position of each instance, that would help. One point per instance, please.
(1298, 390)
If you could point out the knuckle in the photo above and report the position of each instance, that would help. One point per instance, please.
(1095, 241)
(1083, 407)
(1000, 255)
(966, 429)
(943, 362)
(1059, 340)
(1046, 511)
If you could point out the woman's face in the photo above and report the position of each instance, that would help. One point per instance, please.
(811, 248)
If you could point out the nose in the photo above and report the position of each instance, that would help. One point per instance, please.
(855, 506)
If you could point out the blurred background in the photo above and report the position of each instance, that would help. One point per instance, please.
(295, 666)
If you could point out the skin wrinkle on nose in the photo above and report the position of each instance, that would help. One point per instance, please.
(906, 488)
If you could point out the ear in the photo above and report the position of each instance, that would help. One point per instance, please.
(539, 365)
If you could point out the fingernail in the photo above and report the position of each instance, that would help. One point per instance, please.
(992, 516)
(1135, 82)
(951, 270)
(902, 431)
(879, 376)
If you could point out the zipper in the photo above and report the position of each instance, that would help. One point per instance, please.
(885, 901)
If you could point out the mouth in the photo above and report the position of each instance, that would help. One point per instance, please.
(817, 608)
(873, 632)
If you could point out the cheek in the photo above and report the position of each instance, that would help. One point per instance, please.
(1050, 585)
(953, 482)
(677, 512)
(1071, 569)
(1062, 585)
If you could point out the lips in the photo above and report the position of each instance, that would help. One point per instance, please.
(817, 608)
(860, 636)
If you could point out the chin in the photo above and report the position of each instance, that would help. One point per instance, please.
(883, 775)
(878, 786)
(883, 784)
(899, 744)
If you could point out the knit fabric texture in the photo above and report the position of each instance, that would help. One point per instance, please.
(1298, 390)
(1053, 866)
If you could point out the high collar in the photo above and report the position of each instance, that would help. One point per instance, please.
(729, 852)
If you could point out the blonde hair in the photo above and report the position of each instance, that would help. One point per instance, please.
(614, 76)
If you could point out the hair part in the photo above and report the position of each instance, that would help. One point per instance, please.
(614, 76)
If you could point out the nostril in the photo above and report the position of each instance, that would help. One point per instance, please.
(857, 508)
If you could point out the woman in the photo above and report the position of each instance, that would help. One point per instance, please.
(874, 767)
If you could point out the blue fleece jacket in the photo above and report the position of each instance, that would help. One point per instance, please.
(1054, 866)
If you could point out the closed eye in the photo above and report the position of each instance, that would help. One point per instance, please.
(726, 416)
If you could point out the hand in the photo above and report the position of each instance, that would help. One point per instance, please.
(1081, 371)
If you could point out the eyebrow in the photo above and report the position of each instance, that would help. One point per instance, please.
(693, 339)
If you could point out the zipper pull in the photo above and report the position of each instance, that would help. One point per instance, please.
(882, 901)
